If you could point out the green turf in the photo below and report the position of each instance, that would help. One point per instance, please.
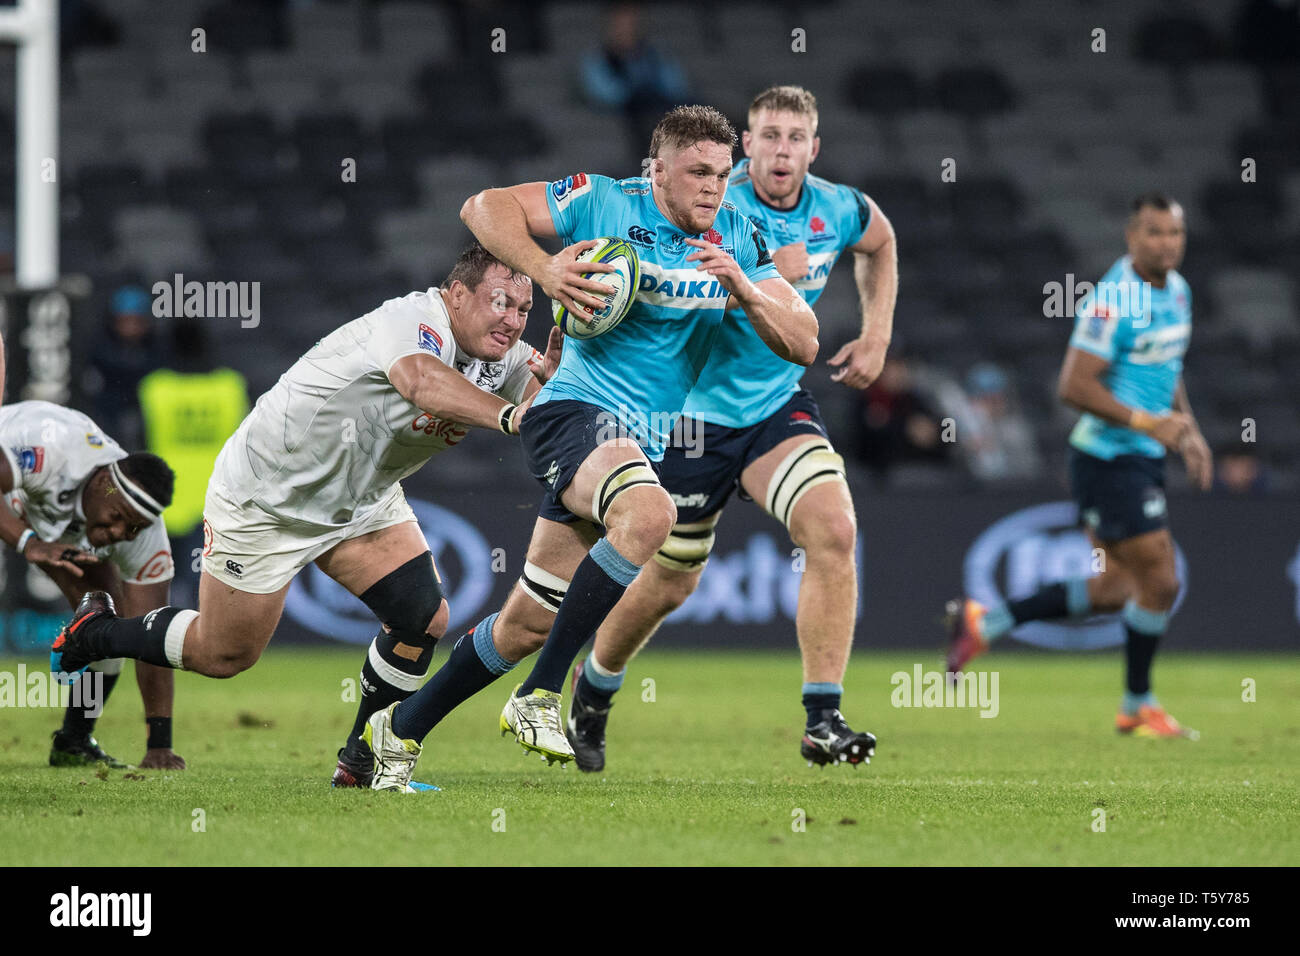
(707, 773)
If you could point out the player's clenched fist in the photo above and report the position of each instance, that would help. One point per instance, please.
(561, 278)
(718, 263)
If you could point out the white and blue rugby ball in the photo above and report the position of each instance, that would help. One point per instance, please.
(623, 282)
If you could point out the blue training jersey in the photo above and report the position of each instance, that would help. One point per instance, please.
(1143, 333)
(643, 368)
(744, 381)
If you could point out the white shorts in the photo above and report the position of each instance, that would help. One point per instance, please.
(254, 551)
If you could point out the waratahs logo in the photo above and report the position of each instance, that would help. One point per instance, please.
(464, 562)
(1036, 546)
(714, 237)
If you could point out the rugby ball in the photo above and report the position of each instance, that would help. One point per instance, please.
(623, 282)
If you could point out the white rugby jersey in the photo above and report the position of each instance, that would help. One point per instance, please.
(52, 452)
(332, 436)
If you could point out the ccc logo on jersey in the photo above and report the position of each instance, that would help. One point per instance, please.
(640, 236)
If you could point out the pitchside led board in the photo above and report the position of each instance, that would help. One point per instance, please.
(1240, 560)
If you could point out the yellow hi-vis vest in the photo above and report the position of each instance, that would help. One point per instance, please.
(187, 418)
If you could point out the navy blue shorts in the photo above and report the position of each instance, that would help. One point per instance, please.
(701, 469)
(1120, 498)
(557, 437)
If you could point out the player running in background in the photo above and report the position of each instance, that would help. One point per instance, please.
(313, 475)
(1123, 370)
(763, 435)
(596, 427)
(88, 515)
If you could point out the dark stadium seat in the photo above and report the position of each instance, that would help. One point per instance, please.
(196, 187)
(240, 26)
(332, 135)
(973, 91)
(1177, 39)
(883, 89)
(985, 204)
(903, 198)
(1246, 215)
(245, 145)
(111, 186)
(1273, 146)
(459, 88)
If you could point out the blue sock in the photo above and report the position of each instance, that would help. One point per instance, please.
(1133, 701)
(599, 582)
(821, 697)
(1142, 632)
(474, 663)
(597, 689)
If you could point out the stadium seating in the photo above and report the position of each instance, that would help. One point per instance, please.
(229, 161)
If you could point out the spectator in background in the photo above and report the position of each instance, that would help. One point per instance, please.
(896, 422)
(190, 409)
(993, 435)
(631, 76)
(1240, 473)
(124, 352)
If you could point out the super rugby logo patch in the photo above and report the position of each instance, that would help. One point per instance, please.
(564, 190)
(31, 460)
(430, 340)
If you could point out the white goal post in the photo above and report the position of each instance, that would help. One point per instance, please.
(33, 25)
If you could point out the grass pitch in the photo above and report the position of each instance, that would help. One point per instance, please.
(706, 773)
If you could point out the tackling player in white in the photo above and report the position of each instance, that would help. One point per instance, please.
(313, 476)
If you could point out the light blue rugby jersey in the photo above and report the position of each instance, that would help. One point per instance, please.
(643, 369)
(744, 381)
(1143, 333)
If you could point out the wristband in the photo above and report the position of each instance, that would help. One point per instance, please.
(23, 538)
(1142, 421)
(504, 418)
(160, 733)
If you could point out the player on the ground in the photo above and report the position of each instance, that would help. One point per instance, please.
(88, 515)
(313, 475)
(762, 435)
(596, 427)
(1123, 370)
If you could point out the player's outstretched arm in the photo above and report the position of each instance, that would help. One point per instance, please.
(1081, 387)
(444, 393)
(779, 314)
(505, 220)
(875, 272)
(13, 532)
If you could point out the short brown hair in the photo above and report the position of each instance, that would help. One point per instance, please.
(685, 125)
(471, 265)
(786, 99)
